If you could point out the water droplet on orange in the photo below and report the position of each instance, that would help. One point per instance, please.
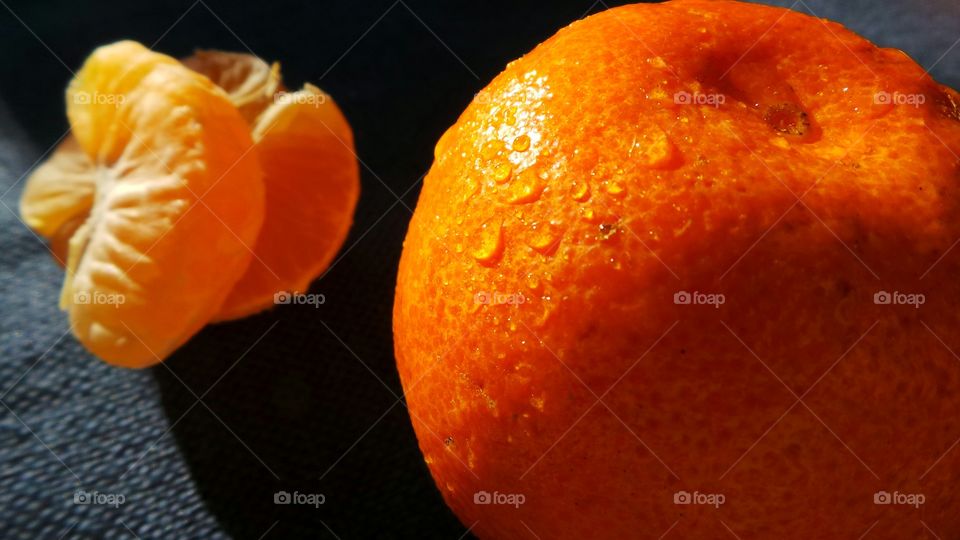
(533, 282)
(473, 187)
(443, 143)
(521, 143)
(762, 86)
(544, 238)
(510, 116)
(526, 189)
(614, 187)
(580, 191)
(787, 118)
(491, 149)
(657, 151)
(490, 250)
(501, 173)
(657, 62)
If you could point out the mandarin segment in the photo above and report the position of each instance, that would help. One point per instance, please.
(306, 149)
(99, 89)
(250, 82)
(59, 191)
(177, 214)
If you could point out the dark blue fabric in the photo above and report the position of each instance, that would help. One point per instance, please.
(68, 422)
(298, 399)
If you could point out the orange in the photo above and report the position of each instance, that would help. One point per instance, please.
(686, 270)
(300, 144)
(164, 232)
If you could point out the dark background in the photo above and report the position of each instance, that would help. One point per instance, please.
(297, 399)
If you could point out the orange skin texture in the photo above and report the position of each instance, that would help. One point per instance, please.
(575, 180)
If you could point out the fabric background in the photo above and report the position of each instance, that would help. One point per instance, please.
(297, 399)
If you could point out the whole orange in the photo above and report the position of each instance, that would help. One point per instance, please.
(688, 270)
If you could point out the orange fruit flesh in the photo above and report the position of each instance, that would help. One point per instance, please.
(659, 148)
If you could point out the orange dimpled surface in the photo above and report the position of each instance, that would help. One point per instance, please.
(685, 269)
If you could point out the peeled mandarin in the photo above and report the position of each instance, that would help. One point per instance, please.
(301, 141)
